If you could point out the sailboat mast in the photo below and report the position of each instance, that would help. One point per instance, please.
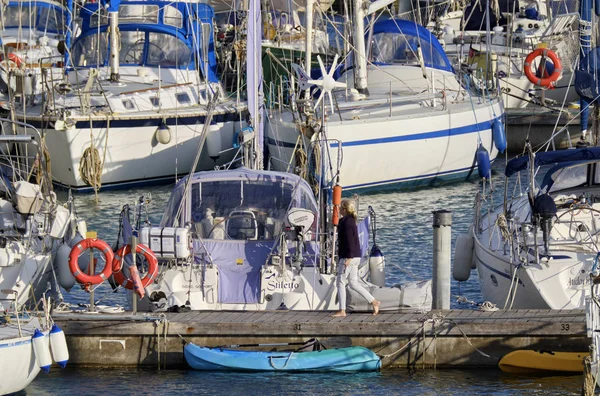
(585, 36)
(360, 58)
(254, 84)
(309, 35)
(113, 17)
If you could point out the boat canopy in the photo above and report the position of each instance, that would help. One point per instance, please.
(152, 33)
(570, 175)
(396, 41)
(261, 197)
(551, 157)
(43, 16)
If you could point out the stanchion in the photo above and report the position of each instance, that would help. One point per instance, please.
(92, 270)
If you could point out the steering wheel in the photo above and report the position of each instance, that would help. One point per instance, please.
(575, 227)
(139, 46)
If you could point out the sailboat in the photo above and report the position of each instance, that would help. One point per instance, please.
(250, 239)
(140, 89)
(32, 34)
(404, 119)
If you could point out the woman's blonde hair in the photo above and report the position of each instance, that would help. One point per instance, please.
(349, 207)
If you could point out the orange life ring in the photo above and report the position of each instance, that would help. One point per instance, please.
(547, 82)
(150, 258)
(91, 243)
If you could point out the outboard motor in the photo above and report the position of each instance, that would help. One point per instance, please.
(544, 210)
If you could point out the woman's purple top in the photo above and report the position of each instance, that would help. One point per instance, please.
(348, 245)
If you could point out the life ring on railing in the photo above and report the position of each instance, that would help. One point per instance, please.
(547, 82)
(150, 258)
(15, 58)
(91, 243)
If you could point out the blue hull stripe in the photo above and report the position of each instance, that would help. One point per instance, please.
(473, 128)
(149, 122)
(502, 274)
(13, 344)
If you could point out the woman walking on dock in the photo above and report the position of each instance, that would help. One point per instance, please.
(349, 258)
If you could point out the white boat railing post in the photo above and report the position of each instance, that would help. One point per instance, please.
(442, 227)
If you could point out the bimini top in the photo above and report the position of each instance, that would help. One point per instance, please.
(551, 157)
(262, 197)
(151, 33)
(396, 41)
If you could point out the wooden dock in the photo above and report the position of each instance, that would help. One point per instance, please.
(436, 339)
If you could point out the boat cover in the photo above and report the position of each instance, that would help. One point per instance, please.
(550, 157)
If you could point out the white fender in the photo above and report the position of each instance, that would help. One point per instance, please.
(58, 345)
(41, 349)
(377, 267)
(463, 257)
(213, 144)
(61, 264)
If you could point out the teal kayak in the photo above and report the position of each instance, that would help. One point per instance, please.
(353, 358)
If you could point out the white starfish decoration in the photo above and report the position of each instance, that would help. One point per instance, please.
(327, 82)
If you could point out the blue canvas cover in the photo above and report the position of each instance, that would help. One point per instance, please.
(261, 199)
(586, 76)
(581, 154)
(395, 39)
(363, 235)
(169, 35)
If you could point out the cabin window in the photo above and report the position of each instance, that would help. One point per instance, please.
(183, 98)
(132, 47)
(138, 13)
(401, 48)
(173, 17)
(99, 18)
(128, 104)
(91, 50)
(155, 101)
(165, 50)
(569, 177)
(51, 19)
(20, 15)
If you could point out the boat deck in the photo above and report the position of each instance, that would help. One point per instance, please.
(441, 338)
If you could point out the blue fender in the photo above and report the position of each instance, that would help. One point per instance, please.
(499, 135)
(484, 166)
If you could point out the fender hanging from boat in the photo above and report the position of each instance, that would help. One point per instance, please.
(484, 167)
(337, 200)
(377, 266)
(499, 135)
(463, 257)
(61, 263)
(41, 349)
(58, 346)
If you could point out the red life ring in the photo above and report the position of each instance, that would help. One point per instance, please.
(91, 243)
(547, 82)
(150, 258)
(15, 58)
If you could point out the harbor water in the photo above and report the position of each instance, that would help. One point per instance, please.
(404, 234)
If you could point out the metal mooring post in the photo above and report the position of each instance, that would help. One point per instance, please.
(442, 226)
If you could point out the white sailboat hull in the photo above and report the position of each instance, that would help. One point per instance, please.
(415, 145)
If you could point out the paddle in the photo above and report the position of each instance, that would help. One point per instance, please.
(328, 343)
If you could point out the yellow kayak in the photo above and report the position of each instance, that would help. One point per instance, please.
(537, 362)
